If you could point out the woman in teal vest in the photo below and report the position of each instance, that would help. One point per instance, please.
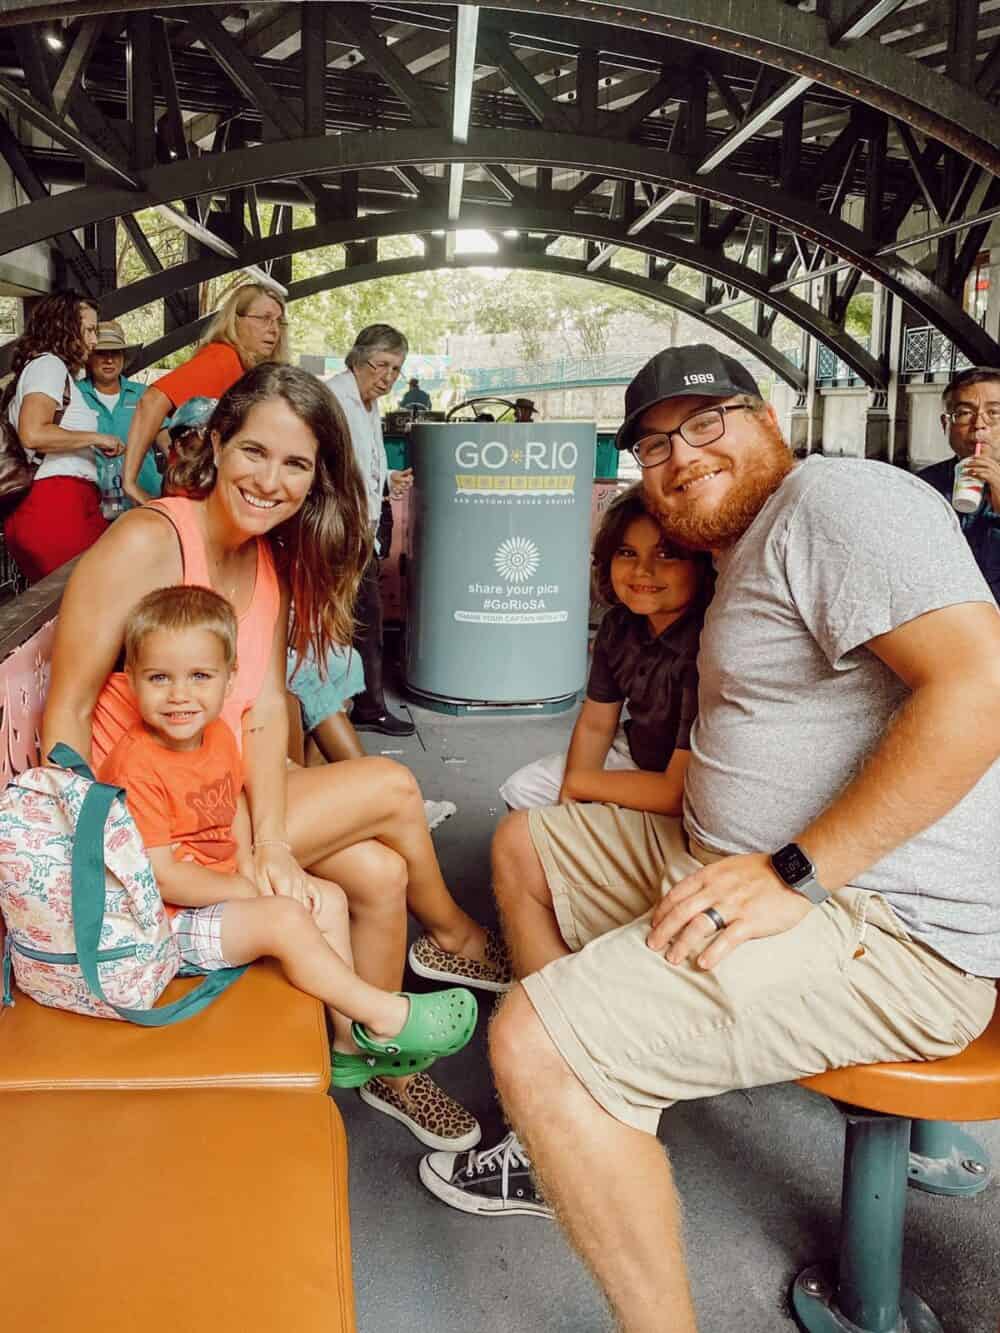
(114, 397)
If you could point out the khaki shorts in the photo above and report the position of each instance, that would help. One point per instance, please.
(846, 986)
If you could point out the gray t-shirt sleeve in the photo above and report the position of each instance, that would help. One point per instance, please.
(868, 548)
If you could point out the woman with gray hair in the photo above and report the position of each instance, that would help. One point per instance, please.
(373, 366)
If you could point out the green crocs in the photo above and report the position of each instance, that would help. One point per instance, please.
(439, 1023)
(352, 1071)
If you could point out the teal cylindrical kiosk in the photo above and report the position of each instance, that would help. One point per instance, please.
(499, 559)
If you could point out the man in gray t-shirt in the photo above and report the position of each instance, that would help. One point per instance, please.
(796, 693)
(830, 898)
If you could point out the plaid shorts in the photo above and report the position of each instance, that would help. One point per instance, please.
(198, 932)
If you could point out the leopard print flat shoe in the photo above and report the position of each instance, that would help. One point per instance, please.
(427, 1112)
(495, 974)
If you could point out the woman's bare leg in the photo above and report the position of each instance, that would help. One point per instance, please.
(333, 808)
(336, 739)
(374, 880)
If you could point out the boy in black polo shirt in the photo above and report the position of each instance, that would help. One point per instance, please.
(644, 655)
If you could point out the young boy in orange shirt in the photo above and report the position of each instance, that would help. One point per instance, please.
(182, 777)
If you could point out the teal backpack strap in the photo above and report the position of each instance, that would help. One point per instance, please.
(88, 913)
(7, 998)
(66, 757)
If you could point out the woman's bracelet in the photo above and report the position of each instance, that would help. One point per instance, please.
(271, 842)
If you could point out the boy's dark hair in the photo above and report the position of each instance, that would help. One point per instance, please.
(623, 510)
(181, 608)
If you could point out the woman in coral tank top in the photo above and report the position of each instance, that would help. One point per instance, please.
(276, 517)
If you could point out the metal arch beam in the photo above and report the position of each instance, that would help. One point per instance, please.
(541, 263)
(301, 157)
(242, 167)
(776, 34)
(423, 221)
(802, 44)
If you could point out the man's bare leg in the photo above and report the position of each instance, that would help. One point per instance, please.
(529, 920)
(611, 1185)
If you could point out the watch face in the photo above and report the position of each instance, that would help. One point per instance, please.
(792, 864)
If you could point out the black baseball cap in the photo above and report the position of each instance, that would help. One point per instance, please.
(678, 372)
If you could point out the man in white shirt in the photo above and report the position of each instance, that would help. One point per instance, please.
(373, 366)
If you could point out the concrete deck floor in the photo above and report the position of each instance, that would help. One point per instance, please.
(759, 1173)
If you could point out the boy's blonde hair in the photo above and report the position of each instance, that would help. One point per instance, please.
(178, 609)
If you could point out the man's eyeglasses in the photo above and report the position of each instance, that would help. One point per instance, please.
(271, 321)
(703, 427)
(965, 416)
(384, 369)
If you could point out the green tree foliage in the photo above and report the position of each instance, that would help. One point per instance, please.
(427, 306)
(860, 312)
(553, 316)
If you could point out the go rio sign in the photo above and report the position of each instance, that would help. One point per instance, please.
(533, 455)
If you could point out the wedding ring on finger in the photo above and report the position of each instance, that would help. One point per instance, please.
(716, 918)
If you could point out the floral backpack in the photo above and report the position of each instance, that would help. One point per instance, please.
(86, 927)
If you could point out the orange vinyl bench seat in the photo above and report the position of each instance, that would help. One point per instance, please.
(167, 1211)
(960, 1087)
(261, 1033)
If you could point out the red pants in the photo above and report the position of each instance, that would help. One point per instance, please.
(58, 519)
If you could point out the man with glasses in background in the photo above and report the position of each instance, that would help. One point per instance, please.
(373, 366)
(971, 420)
(828, 897)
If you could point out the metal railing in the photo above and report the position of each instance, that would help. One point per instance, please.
(929, 353)
(831, 371)
(565, 373)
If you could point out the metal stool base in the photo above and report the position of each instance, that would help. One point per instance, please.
(946, 1160)
(814, 1301)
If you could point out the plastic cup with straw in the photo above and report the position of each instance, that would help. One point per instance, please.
(968, 491)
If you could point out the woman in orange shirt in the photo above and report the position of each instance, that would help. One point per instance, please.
(248, 329)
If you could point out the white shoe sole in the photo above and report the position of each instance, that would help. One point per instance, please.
(453, 978)
(439, 812)
(471, 1203)
(424, 1135)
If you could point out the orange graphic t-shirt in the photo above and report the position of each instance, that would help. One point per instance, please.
(185, 799)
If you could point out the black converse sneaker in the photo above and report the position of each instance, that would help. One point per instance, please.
(497, 1180)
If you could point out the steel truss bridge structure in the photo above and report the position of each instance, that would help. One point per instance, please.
(787, 152)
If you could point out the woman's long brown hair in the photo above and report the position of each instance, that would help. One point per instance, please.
(322, 550)
(54, 326)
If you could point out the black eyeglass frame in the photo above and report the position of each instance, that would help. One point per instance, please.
(668, 435)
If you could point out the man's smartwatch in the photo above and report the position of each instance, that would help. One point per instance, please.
(793, 866)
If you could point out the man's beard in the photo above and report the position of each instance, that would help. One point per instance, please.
(716, 529)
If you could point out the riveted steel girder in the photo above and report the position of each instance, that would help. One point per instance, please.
(330, 154)
(788, 38)
(775, 34)
(541, 263)
(423, 221)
